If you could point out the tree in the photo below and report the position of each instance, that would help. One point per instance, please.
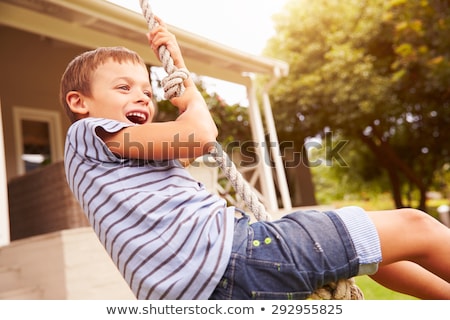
(232, 120)
(374, 71)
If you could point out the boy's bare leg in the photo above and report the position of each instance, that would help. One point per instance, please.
(412, 235)
(410, 278)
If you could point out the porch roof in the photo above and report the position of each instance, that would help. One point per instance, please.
(97, 23)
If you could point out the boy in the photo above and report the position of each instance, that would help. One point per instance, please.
(171, 239)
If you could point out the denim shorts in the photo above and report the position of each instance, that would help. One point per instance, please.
(288, 258)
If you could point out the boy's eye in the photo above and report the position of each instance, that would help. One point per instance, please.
(124, 87)
(148, 94)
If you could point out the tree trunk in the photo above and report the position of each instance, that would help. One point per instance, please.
(299, 178)
(423, 200)
(395, 187)
(394, 165)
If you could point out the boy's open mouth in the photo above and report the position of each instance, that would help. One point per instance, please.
(137, 117)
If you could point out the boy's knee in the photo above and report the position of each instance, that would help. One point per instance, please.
(417, 219)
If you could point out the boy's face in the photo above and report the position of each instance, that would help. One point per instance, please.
(121, 91)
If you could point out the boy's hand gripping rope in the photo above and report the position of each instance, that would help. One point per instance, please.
(173, 83)
(173, 87)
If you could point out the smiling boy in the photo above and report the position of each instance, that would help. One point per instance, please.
(172, 239)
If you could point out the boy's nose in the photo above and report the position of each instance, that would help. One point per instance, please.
(143, 98)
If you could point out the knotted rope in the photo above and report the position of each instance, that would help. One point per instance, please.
(173, 82)
(344, 289)
(173, 87)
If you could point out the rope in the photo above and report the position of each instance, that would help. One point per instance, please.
(173, 82)
(344, 289)
(239, 184)
(173, 87)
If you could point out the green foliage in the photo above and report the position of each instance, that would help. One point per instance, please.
(359, 179)
(232, 120)
(376, 73)
(373, 291)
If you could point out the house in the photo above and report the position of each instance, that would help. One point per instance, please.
(39, 38)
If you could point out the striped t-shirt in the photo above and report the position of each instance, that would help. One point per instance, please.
(168, 236)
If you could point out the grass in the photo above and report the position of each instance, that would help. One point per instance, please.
(373, 291)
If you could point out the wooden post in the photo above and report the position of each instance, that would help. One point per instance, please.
(4, 211)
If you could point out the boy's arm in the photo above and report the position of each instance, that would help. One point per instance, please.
(189, 136)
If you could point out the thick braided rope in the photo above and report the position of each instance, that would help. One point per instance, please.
(344, 289)
(173, 87)
(173, 83)
(238, 182)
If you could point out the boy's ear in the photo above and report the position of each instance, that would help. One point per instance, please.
(75, 101)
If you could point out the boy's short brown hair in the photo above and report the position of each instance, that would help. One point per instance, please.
(78, 74)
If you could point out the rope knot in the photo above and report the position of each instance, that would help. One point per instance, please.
(173, 83)
(344, 289)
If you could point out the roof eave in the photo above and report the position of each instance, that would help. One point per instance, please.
(91, 19)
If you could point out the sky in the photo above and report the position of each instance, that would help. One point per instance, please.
(242, 24)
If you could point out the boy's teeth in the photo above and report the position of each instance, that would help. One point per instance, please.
(136, 117)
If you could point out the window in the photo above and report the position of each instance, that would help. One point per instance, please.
(38, 138)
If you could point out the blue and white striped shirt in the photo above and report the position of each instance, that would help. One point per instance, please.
(168, 236)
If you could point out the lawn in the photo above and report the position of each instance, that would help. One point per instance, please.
(374, 291)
